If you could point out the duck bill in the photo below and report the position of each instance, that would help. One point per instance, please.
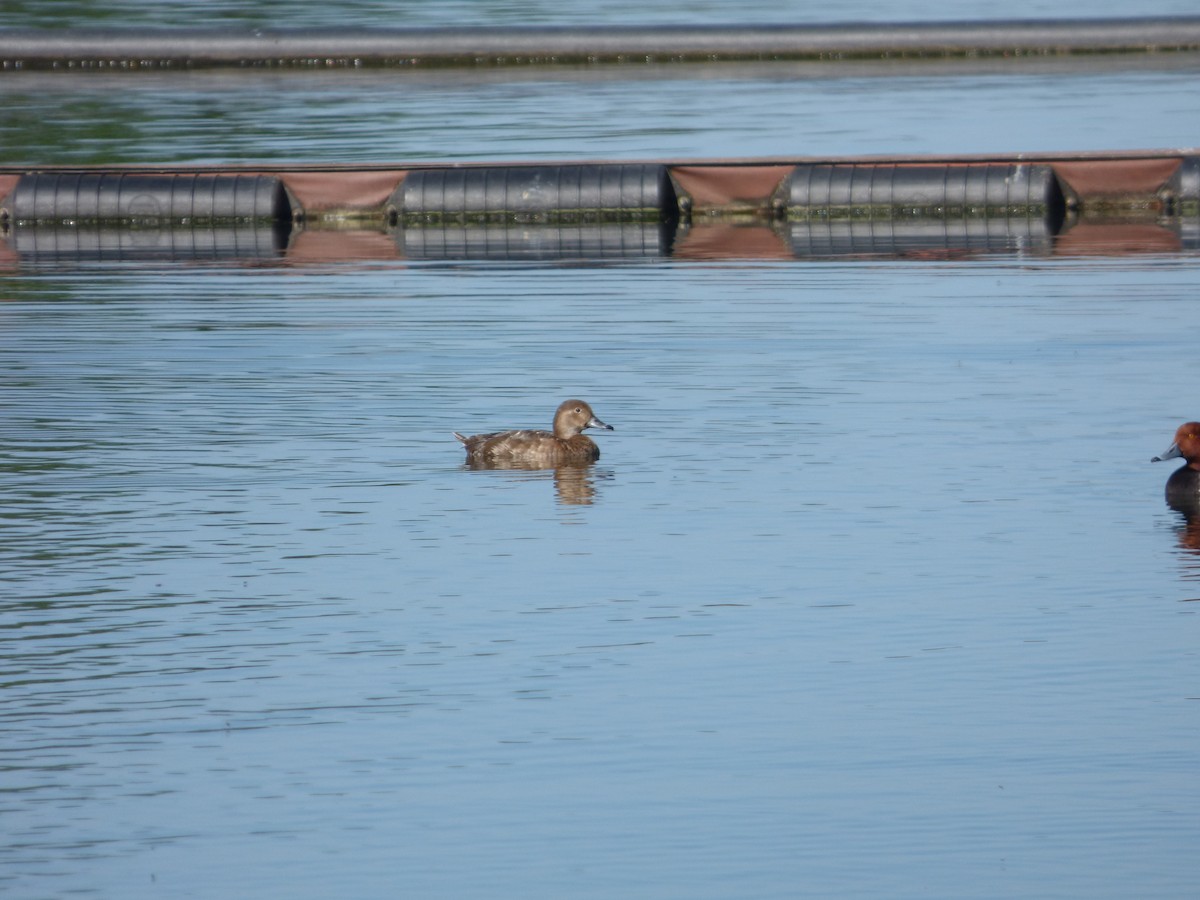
(593, 422)
(1172, 452)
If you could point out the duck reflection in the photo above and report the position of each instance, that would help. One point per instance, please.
(574, 484)
(1183, 487)
(1189, 534)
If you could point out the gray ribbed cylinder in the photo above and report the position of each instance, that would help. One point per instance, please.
(57, 243)
(868, 189)
(120, 197)
(582, 193)
(1182, 192)
(901, 236)
(1189, 233)
(633, 240)
(1186, 185)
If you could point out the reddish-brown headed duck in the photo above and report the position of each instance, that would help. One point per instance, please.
(1183, 487)
(565, 446)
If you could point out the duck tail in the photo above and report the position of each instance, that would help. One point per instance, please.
(459, 436)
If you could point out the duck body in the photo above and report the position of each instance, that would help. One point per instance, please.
(1183, 487)
(566, 445)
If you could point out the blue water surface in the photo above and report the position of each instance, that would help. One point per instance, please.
(872, 591)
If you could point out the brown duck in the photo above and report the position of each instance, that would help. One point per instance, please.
(528, 448)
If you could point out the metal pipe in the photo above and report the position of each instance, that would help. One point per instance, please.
(186, 48)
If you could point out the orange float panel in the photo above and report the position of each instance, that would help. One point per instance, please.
(8, 184)
(716, 187)
(1116, 239)
(1116, 177)
(719, 240)
(317, 191)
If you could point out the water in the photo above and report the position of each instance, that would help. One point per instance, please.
(872, 587)
(607, 115)
(871, 593)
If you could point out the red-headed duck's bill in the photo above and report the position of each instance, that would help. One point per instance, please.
(1171, 452)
